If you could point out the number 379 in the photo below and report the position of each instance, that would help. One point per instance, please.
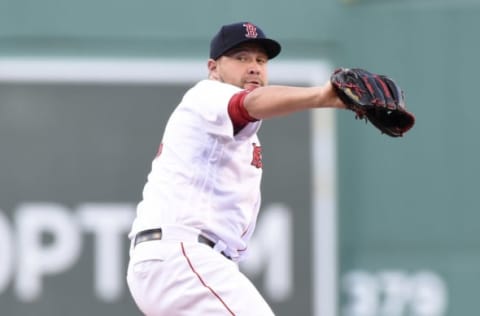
(393, 293)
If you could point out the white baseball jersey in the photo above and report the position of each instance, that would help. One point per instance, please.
(204, 176)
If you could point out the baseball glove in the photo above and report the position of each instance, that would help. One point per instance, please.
(375, 98)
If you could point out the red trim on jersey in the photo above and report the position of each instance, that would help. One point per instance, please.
(160, 149)
(237, 112)
(203, 282)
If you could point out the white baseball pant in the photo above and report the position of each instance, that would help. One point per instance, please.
(178, 276)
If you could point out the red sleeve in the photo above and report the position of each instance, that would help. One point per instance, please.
(237, 112)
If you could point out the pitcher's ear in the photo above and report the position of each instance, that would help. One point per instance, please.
(212, 69)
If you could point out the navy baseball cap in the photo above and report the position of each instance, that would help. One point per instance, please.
(232, 35)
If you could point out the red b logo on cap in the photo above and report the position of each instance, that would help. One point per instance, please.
(251, 30)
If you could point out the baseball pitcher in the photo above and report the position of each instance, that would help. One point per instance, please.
(202, 197)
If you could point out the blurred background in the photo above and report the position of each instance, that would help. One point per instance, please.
(353, 223)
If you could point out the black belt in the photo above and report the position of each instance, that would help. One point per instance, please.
(156, 234)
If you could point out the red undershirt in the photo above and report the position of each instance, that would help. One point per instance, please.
(237, 112)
